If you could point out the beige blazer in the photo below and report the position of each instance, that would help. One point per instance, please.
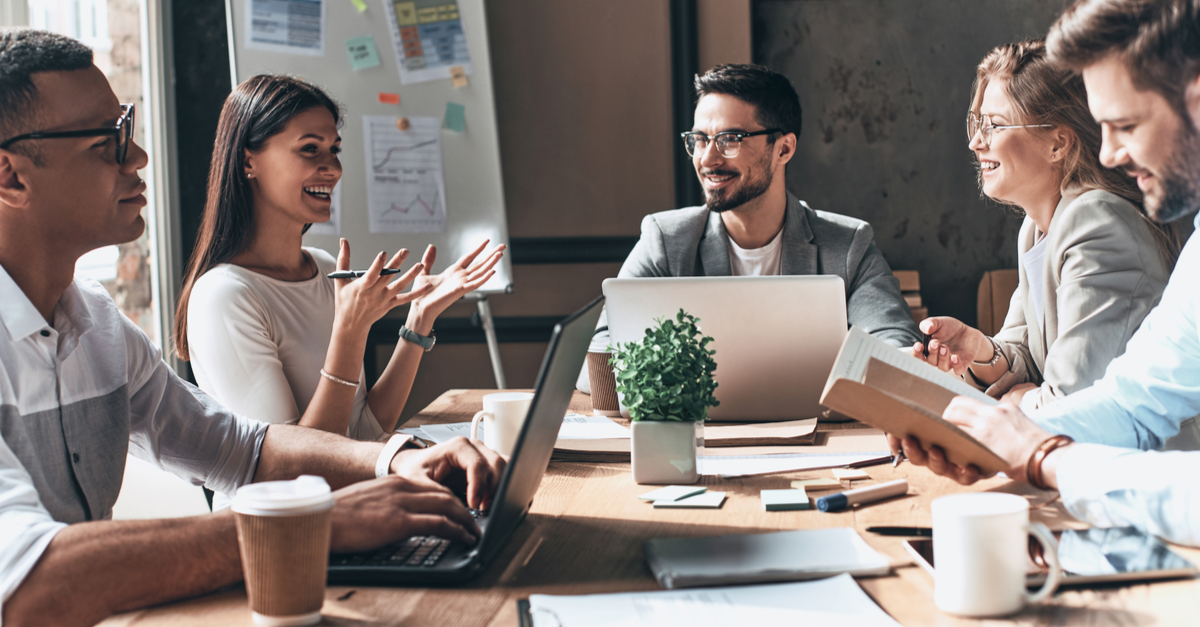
(1104, 273)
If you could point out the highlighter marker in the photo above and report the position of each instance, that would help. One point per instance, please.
(842, 500)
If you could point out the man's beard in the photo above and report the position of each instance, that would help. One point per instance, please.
(1179, 180)
(750, 189)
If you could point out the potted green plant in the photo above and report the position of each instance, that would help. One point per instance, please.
(666, 383)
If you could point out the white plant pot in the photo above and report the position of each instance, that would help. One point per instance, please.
(664, 451)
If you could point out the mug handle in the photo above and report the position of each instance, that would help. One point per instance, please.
(1050, 554)
(475, 423)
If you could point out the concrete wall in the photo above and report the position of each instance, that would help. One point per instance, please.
(885, 86)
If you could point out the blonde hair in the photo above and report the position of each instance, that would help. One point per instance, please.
(1044, 93)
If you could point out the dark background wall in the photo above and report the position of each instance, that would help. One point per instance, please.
(885, 86)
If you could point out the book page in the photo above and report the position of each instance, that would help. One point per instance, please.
(860, 346)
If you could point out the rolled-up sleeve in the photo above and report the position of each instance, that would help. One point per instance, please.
(177, 426)
(26, 528)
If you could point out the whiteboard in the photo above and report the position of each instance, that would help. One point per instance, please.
(473, 202)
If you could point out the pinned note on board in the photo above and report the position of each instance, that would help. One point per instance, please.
(360, 5)
(363, 53)
(455, 117)
(458, 76)
(387, 98)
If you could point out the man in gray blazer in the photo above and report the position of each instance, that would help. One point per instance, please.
(746, 122)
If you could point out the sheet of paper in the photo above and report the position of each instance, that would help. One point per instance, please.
(727, 466)
(287, 26)
(859, 347)
(363, 53)
(706, 500)
(428, 37)
(580, 427)
(406, 189)
(834, 601)
(333, 227)
(456, 117)
(672, 493)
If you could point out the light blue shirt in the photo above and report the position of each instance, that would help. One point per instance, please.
(1155, 385)
(1152, 491)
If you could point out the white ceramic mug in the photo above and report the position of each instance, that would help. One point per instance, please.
(980, 552)
(503, 416)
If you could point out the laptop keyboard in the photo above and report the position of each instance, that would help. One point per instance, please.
(422, 551)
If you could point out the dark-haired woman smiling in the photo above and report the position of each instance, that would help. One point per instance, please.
(267, 333)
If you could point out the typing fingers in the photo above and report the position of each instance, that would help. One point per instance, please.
(440, 526)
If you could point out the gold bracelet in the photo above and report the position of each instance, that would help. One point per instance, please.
(1033, 467)
(340, 380)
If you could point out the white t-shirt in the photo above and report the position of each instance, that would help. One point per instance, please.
(258, 344)
(765, 261)
(1034, 261)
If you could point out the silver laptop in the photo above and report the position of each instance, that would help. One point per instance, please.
(776, 337)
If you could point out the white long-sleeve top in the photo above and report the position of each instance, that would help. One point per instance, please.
(258, 344)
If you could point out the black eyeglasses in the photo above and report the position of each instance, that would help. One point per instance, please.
(123, 131)
(729, 143)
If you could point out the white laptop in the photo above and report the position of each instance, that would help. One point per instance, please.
(776, 337)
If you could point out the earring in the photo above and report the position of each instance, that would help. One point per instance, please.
(250, 175)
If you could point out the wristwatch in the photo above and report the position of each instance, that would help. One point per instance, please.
(995, 355)
(418, 339)
(383, 463)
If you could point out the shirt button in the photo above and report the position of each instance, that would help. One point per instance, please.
(75, 456)
(45, 333)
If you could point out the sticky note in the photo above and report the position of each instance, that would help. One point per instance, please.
(360, 5)
(387, 98)
(784, 500)
(708, 500)
(363, 53)
(673, 493)
(458, 76)
(817, 484)
(455, 117)
(850, 474)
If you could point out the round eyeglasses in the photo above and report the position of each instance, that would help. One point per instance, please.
(729, 143)
(983, 125)
(122, 131)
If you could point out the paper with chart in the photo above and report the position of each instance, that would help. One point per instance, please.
(428, 38)
(287, 26)
(406, 188)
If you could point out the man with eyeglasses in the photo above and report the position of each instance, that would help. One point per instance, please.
(1140, 61)
(747, 119)
(81, 386)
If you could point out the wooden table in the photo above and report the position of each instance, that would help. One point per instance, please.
(585, 531)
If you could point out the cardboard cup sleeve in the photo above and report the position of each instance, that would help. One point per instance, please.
(604, 385)
(284, 559)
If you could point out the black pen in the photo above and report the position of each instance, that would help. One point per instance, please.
(354, 274)
(916, 532)
(925, 337)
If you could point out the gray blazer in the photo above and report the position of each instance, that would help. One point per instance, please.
(1103, 274)
(692, 242)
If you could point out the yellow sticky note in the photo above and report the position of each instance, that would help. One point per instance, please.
(360, 5)
(817, 484)
(458, 76)
(850, 474)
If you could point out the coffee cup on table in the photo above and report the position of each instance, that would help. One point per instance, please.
(502, 417)
(283, 532)
(603, 383)
(980, 552)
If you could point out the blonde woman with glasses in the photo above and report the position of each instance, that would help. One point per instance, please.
(1091, 265)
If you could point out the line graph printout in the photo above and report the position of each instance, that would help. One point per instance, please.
(406, 189)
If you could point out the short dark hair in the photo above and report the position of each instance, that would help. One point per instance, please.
(775, 101)
(1158, 40)
(257, 110)
(23, 53)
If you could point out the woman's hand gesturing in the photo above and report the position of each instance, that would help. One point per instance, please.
(362, 301)
(468, 274)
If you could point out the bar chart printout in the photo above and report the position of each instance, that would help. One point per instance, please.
(406, 189)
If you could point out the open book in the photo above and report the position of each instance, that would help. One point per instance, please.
(890, 390)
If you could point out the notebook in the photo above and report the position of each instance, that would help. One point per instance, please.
(432, 561)
(762, 557)
(776, 337)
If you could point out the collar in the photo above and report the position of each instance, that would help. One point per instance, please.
(21, 319)
(1196, 221)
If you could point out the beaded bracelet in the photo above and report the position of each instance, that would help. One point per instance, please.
(340, 380)
(1033, 467)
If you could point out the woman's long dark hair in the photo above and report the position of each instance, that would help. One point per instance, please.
(257, 110)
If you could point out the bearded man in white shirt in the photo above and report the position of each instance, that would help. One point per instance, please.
(1140, 61)
(80, 385)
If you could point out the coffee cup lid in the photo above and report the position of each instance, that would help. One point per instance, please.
(303, 495)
